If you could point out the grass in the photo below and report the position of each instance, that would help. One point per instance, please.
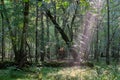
(99, 72)
(13, 74)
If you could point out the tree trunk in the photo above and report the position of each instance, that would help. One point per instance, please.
(96, 53)
(56, 31)
(9, 27)
(87, 35)
(3, 38)
(48, 38)
(22, 52)
(57, 26)
(72, 22)
(42, 49)
(36, 22)
(108, 34)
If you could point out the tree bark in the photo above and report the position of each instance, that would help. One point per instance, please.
(22, 53)
(108, 34)
(87, 35)
(56, 31)
(42, 47)
(3, 38)
(36, 32)
(48, 38)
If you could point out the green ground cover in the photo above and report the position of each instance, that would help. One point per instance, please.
(98, 72)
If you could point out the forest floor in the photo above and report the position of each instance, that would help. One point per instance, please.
(99, 72)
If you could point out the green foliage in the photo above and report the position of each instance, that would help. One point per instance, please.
(84, 3)
(12, 73)
(39, 4)
(60, 3)
(25, 0)
(99, 72)
(65, 4)
(48, 1)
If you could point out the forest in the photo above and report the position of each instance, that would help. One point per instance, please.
(59, 39)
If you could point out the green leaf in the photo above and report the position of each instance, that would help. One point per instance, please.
(47, 1)
(39, 4)
(25, 0)
(66, 4)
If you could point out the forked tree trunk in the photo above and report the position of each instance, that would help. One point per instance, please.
(22, 53)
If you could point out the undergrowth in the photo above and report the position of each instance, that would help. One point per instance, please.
(99, 72)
